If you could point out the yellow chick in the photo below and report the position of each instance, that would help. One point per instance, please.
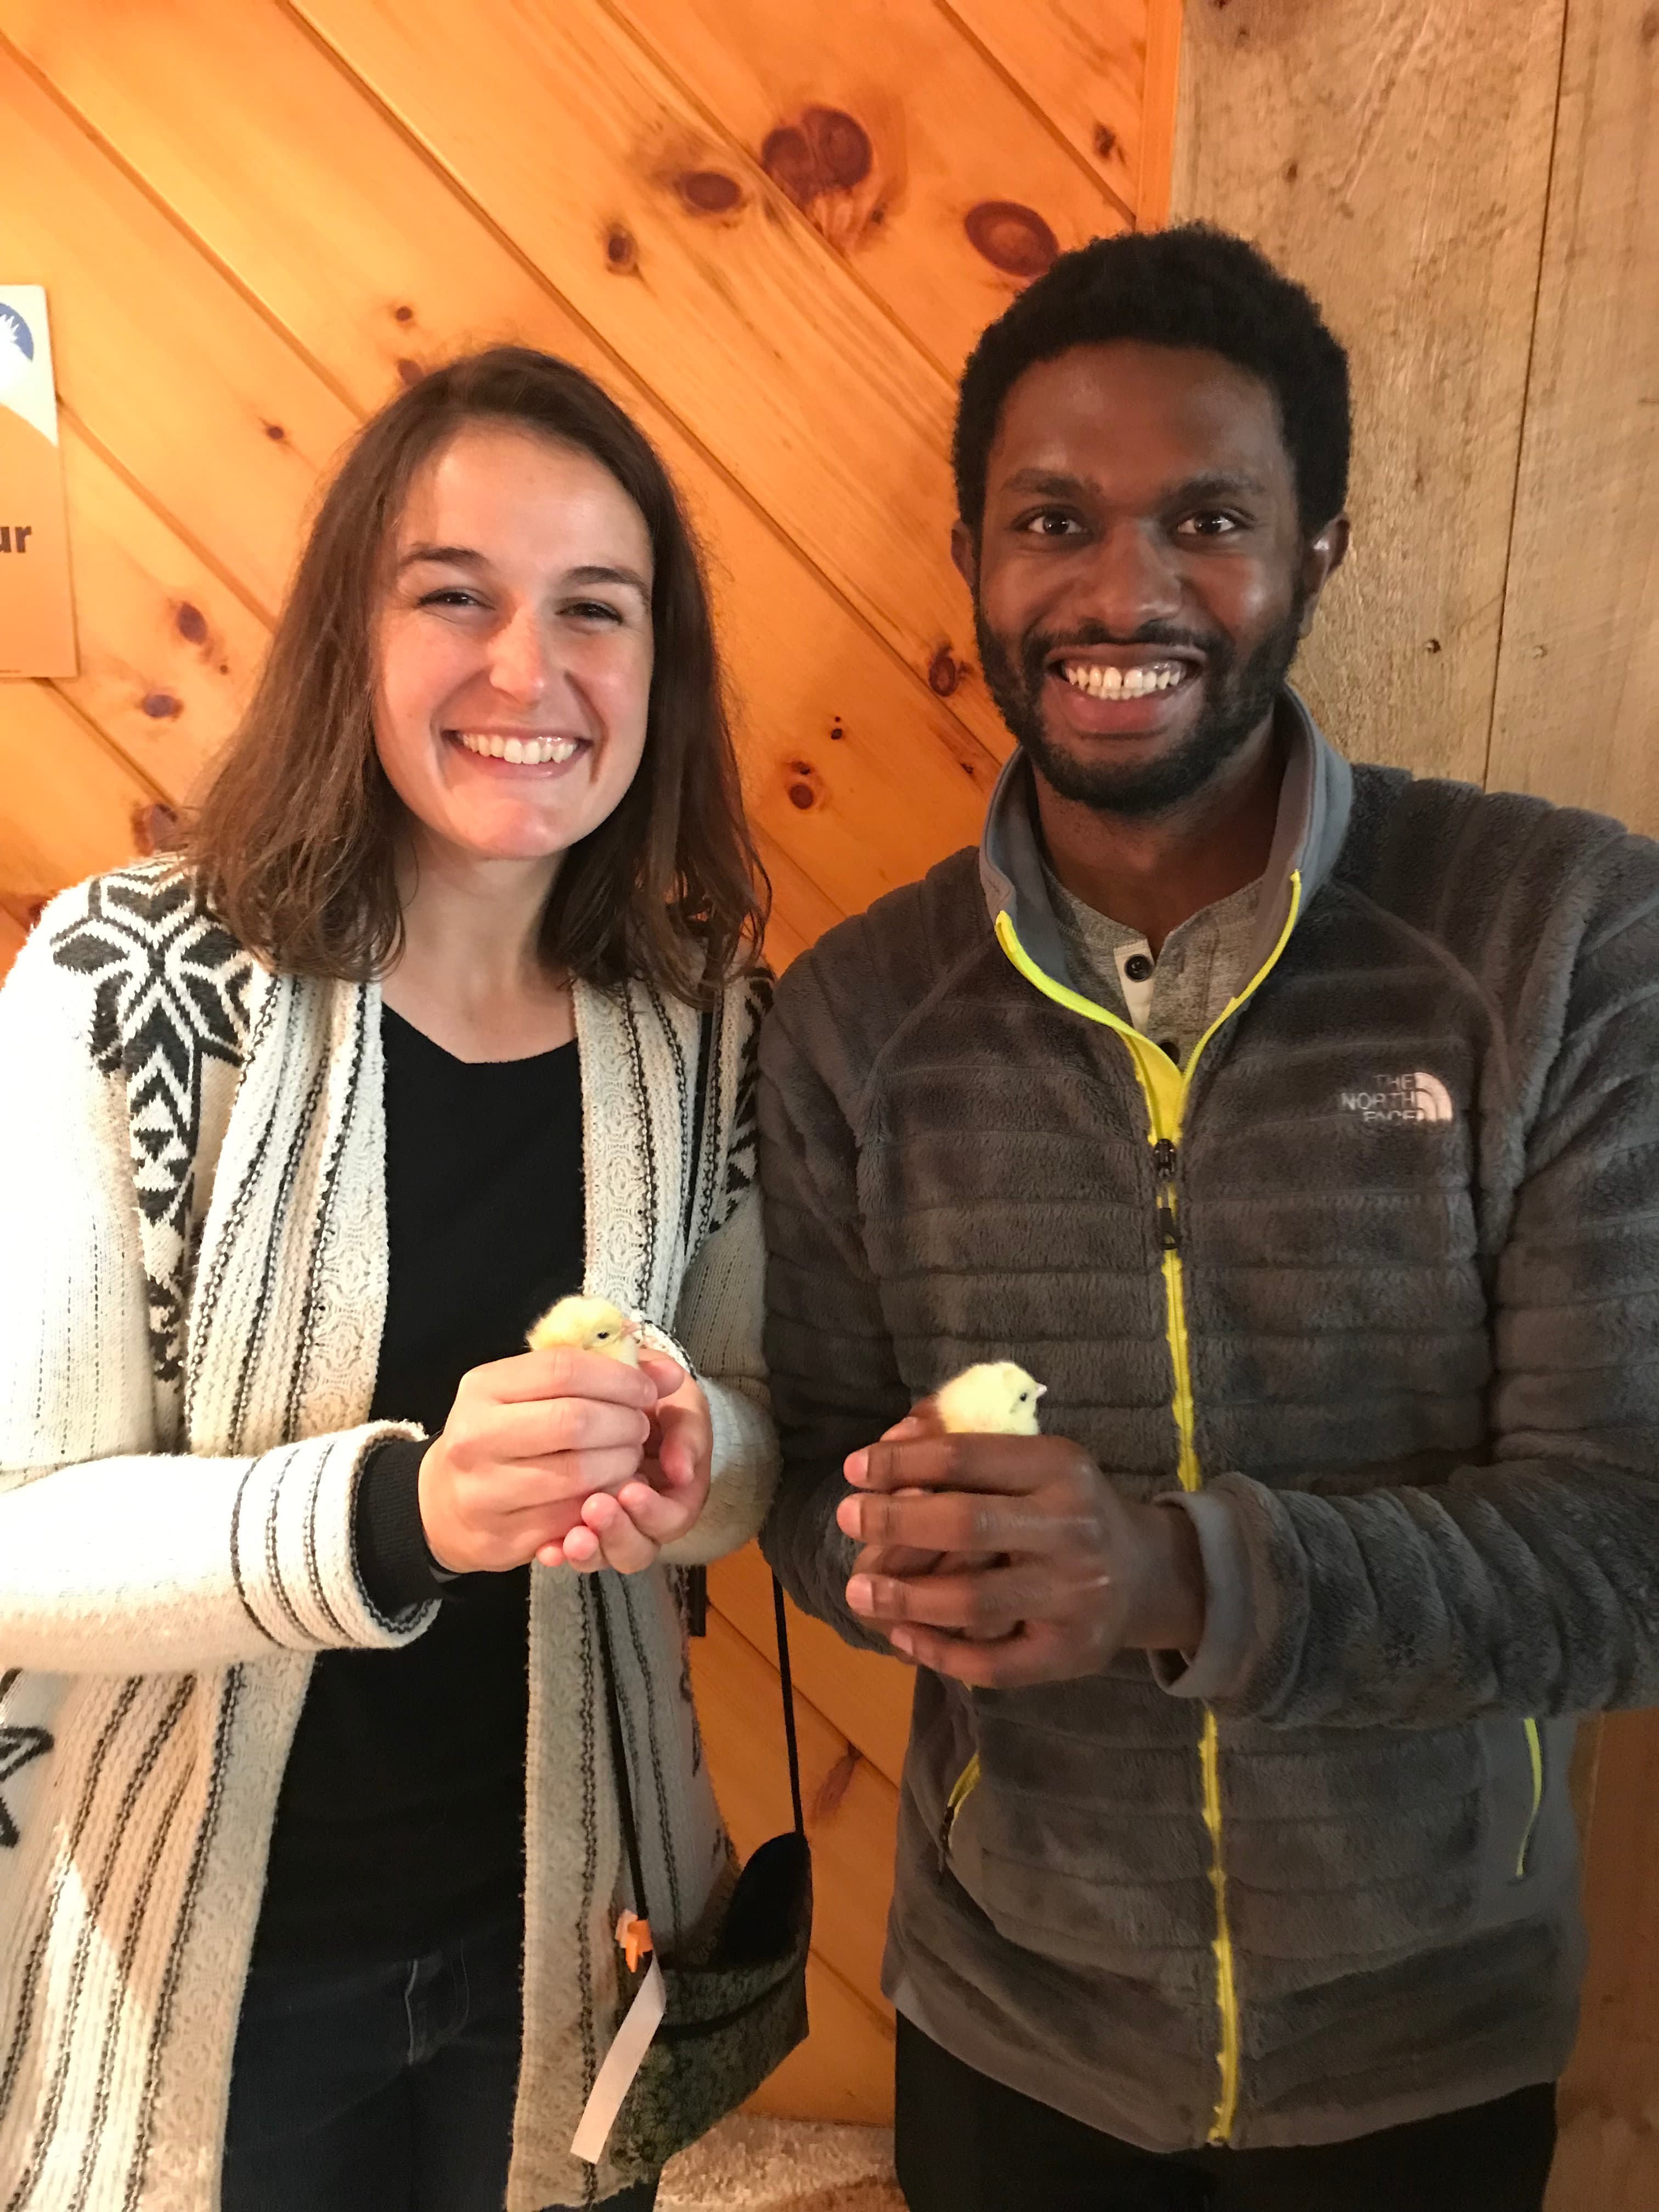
(588, 1325)
(996, 1398)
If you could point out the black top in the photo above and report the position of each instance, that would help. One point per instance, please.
(401, 1819)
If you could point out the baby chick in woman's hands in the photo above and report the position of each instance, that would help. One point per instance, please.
(588, 1325)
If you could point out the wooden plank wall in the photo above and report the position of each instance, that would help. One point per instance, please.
(1471, 188)
(774, 232)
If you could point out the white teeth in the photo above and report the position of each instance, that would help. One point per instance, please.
(519, 752)
(1109, 682)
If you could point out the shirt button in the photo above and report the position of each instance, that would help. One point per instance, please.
(1138, 968)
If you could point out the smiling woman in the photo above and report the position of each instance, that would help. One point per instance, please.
(447, 1013)
(501, 561)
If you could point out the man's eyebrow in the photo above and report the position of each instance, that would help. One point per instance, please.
(1214, 483)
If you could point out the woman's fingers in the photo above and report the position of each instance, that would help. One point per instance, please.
(546, 1429)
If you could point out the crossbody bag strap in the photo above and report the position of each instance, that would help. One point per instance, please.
(619, 1743)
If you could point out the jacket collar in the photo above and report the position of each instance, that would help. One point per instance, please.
(1314, 804)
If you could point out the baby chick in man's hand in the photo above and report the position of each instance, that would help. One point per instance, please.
(995, 1398)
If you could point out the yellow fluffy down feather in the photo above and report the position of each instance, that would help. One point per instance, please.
(995, 1399)
(589, 1325)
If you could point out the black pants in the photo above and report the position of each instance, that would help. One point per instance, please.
(964, 2143)
(385, 2088)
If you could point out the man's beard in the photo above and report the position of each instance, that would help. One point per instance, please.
(1239, 697)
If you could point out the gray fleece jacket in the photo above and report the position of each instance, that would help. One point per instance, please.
(1370, 1287)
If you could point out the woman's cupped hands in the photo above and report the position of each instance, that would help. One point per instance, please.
(567, 1458)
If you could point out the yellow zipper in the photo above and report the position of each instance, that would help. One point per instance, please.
(1535, 1752)
(966, 1782)
(1165, 1086)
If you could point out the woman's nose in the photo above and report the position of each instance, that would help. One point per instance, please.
(520, 664)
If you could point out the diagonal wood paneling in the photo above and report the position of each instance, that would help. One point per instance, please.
(773, 236)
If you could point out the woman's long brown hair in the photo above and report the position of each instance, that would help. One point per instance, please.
(294, 841)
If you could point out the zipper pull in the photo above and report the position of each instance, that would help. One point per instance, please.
(1163, 1168)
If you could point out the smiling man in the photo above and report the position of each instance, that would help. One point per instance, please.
(1297, 1127)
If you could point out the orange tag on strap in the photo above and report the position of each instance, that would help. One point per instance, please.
(635, 1936)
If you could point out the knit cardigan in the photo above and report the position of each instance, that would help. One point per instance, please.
(192, 1220)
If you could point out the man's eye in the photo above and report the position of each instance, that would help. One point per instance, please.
(1052, 522)
(1211, 524)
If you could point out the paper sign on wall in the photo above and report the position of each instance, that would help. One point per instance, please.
(37, 615)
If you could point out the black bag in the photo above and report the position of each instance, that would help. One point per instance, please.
(732, 2020)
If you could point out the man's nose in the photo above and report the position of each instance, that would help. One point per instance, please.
(1128, 580)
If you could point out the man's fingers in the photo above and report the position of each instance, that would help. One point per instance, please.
(994, 1601)
(1013, 1663)
(946, 1521)
(1007, 1465)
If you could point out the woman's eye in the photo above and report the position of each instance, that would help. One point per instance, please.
(450, 595)
(593, 610)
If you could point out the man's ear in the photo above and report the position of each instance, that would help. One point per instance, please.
(1322, 556)
(964, 553)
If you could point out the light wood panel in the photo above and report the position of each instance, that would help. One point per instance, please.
(1608, 2157)
(1579, 672)
(1393, 154)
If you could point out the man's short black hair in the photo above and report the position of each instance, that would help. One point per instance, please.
(1192, 286)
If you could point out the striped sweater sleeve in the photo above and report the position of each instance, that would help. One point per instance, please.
(720, 1315)
(118, 1556)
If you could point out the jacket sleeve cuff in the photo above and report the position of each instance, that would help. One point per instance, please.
(1217, 1668)
(394, 1562)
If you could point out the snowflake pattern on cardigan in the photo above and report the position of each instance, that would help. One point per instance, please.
(171, 993)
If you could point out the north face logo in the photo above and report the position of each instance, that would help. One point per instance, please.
(1400, 1098)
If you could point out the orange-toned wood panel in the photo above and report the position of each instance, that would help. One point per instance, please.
(402, 273)
(858, 118)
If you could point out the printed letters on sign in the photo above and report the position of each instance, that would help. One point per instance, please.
(37, 624)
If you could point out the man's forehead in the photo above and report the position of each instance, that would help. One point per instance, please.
(1166, 410)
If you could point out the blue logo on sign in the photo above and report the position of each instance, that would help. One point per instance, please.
(15, 329)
